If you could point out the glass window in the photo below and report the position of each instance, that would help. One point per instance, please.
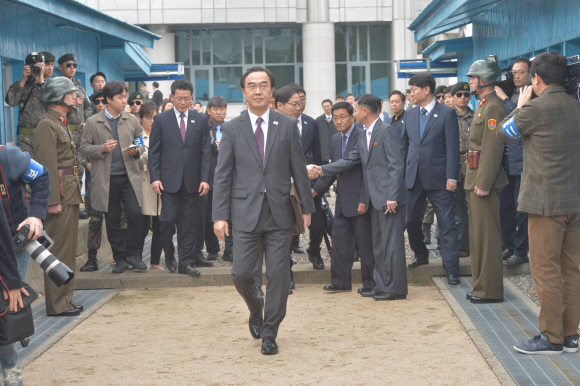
(363, 48)
(226, 82)
(248, 54)
(227, 45)
(258, 45)
(299, 45)
(279, 45)
(8, 116)
(341, 85)
(182, 47)
(380, 42)
(206, 46)
(352, 43)
(380, 73)
(201, 85)
(283, 75)
(195, 48)
(340, 43)
(358, 80)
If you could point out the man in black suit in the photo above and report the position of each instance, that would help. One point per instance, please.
(179, 165)
(431, 143)
(157, 95)
(397, 105)
(310, 140)
(352, 220)
(326, 130)
(217, 107)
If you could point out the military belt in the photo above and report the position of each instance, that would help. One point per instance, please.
(74, 171)
(26, 131)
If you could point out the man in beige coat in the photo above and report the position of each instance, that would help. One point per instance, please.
(115, 175)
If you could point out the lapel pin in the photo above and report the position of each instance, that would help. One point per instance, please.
(305, 122)
(192, 121)
(275, 122)
(435, 115)
(375, 144)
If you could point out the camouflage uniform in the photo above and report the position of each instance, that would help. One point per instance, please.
(460, 204)
(76, 117)
(32, 114)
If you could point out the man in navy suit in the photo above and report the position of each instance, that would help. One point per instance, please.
(179, 166)
(352, 219)
(430, 141)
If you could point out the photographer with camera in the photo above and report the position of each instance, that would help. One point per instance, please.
(549, 194)
(27, 95)
(514, 224)
(16, 166)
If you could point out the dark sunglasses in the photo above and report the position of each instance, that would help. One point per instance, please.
(462, 94)
(438, 97)
(69, 65)
(138, 103)
(99, 102)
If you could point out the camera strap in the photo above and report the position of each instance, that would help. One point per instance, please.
(23, 105)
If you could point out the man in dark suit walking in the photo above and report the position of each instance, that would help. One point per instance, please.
(326, 130)
(379, 153)
(179, 165)
(352, 220)
(157, 95)
(430, 139)
(260, 155)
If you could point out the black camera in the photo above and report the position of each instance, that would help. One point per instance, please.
(572, 82)
(58, 272)
(32, 60)
(507, 78)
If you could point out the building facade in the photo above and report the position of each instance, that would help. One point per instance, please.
(329, 46)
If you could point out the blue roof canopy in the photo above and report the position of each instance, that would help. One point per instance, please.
(440, 16)
(448, 49)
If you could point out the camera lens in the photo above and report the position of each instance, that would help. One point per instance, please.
(36, 70)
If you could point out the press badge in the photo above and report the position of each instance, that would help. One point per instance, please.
(138, 141)
(33, 171)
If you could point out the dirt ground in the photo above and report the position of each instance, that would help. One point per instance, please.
(199, 336)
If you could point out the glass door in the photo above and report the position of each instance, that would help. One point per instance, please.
(358, 79)
(201, 84)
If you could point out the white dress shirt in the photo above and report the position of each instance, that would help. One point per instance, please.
(299, 124)
(429, 107)
(265, 120)
(328, 118)
(178, 116)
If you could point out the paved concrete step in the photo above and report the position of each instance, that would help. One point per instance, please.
(303, 274)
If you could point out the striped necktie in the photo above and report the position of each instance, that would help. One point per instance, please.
(182, 126)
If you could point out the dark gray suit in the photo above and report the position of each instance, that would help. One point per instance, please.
(384, 179)
(326, 131)
(241, 178)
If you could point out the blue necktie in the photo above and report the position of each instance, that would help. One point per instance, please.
(423, 111)
(344, 139)
(218, 133)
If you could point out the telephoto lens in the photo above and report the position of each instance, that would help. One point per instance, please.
(36, 70)
(58, 272)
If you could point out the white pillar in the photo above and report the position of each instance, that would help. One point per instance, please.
(403, 44)
(163, 51)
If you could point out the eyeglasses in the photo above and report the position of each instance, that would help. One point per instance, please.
(99, 101)
(253, 87)
(69, 65)
(295, 104)
(519, 73)
(342, 118)
(438, 97)
(183, 100)
(138, 103)
(462, 94)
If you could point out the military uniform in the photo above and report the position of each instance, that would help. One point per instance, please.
(58, 153)
(32, 114)
(484, 222)
(460, 208)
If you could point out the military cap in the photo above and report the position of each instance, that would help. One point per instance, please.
(460, 86)
(408, 91)
(66, 58)
(135, 95)
(98, 94)
(486, 70)
(440, 89)
(56, 88)
(34, 57)
(48, 57)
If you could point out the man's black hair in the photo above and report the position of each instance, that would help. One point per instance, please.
(146, 108)
(343, 105)
(155, 84)
(369, 101)
(284, 94)
(113, 88)
(523, 60)
(181, 84)
(197, 103)
(551, 67)
(397, 92)
(298, 88)
(326, 100)
(143, 84)
(349, 94)
(257, 69)
(98, 74)
(423, 80)
(339, 96)
(217, 101)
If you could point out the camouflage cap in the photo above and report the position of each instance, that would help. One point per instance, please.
(440, 90)
(56, 88)
(48, 57)
(486, 70)
(135, 95)
(460, 86)
(67, 58)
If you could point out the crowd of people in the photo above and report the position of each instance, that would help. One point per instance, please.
(162, 166)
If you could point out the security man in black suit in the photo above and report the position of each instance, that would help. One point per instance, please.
(352, 221)
(326, 130)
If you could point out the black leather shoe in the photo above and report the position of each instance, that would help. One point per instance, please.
(120, 266)
(468, 296)
(516, 260)
(478, 300)
(297, 250)
(200, 261)
(317, 262)
(364, 289)
(259, 291)
(137, 263)
(507, 253)
(369, 294)
(417, 262)
(228, 257)
(83, 215)
(453, 279)
(388, 296)
(333, 288)
(292, 286)
(189, 270)
(80, 308)
(212, 256)
(256, 321)
(171, 264)
(71, 312)
(269, 346)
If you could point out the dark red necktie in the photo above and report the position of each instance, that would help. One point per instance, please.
(182, 126)
(260, 137)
